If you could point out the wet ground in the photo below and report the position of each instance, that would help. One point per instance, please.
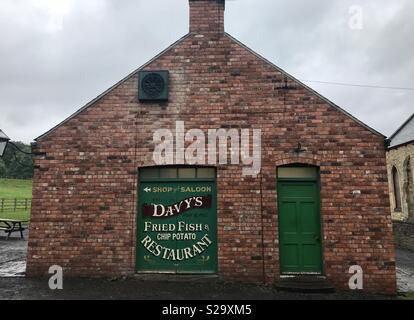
(138, 289)
(14, 285)
(13, 255)
(405, 270)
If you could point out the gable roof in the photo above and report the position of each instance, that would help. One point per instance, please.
(133, 73)
(306, 87)
(404, 134)
(240, 44)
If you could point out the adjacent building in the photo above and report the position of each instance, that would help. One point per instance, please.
(400, 161)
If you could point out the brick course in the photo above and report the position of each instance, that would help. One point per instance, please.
(85, 183)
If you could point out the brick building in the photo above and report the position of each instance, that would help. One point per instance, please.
(103, 205)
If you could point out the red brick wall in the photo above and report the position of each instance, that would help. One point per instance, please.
(206, 16)
(84, 206)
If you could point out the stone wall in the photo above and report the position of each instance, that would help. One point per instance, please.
(404, 235)
(399, 158)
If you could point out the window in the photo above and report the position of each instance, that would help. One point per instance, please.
(408, 173)
(409, 187)
(149, 173)
(206, 173)
(397, 190)
(297, 172)
(187, 173)
(177, 173)
(169, 173)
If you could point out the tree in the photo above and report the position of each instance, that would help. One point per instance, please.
(17, 165)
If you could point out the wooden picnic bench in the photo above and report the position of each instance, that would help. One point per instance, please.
(9, 226)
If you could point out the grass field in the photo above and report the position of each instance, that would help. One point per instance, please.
(410, 296)
(15, 189)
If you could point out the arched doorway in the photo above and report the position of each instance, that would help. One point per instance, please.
(396, 189)
(409, 188)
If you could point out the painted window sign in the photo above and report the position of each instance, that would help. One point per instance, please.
(177, 227)
(180, 231)
(162, 211)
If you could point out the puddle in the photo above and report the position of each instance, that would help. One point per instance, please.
(13, 269)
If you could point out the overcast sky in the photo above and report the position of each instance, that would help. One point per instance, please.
(57, 55)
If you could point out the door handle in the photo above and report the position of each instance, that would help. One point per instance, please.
(317, 238)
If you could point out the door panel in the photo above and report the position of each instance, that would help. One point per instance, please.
(299, 227)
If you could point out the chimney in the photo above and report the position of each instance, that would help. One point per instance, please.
(207, 16)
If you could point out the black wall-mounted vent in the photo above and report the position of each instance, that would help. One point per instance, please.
(153, 85)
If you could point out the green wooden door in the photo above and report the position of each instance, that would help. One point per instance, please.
(177, 226)
(299, 227)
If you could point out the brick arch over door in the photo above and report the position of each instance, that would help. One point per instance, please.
(396, 188)
(299, 160)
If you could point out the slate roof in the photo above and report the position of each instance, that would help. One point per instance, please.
(239, 43)
(404, 134)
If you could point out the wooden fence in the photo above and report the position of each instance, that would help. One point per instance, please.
(13, 205)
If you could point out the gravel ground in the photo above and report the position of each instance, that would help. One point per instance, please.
(14, 285)
(137, 289)
(13, 255)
